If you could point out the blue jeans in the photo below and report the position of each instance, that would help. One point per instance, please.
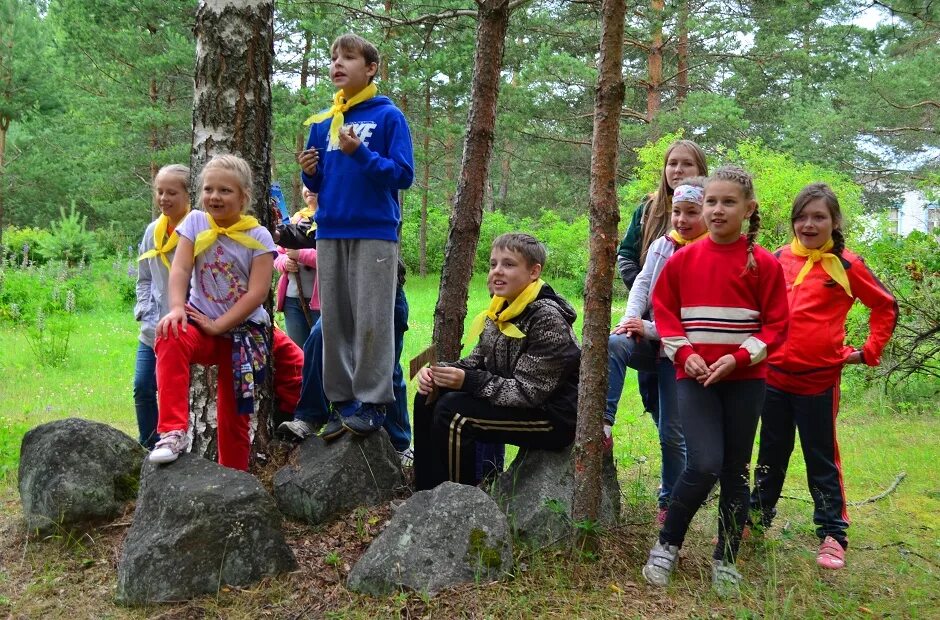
(313, 407)
(625, 352)
(296, 323)
(671, 439)
(145, 395)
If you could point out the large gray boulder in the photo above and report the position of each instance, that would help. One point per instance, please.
(75, 473)
(199, 526)
(537, 491)
(447, 536)
(324, 480)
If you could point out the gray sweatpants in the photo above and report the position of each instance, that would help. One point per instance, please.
(357, 306)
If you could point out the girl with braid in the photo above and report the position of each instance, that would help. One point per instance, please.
(823, 281)
(720, 307)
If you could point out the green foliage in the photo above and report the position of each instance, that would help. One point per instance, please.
(22, 243)
(11, 436)
(69, 241)
(646, 174)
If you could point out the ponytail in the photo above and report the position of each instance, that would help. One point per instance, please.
(753, 226)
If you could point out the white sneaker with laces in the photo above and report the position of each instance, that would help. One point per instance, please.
(170, 446)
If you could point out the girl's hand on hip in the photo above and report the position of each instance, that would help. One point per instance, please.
(173, 320)
(696, 367)
(855, 357)
(206, 325)
(722, 367)
(447, 377)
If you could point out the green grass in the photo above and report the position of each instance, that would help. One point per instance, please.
(894, 557)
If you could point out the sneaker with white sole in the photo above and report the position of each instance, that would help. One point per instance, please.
(407, 457)
(296, 430)
(170, 446)
(368, 419)
(726, 580)
(661, 563)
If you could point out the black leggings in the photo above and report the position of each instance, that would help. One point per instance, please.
(447, 433)
(719, 423)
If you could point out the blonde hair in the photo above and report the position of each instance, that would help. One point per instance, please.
(739, 176)
(179, 171)
(658, 207)
(239, 168)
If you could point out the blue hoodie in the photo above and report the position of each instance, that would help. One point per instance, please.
(358, 193)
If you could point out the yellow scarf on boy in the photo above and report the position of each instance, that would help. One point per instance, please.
(162, 244)
(234, 232)
(830, 263)
(680, 240)
(502, 319)
(340, 106)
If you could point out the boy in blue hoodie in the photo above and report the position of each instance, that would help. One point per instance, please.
(358, 157)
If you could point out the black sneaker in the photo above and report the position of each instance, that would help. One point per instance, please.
(368, 419)
(334, 425)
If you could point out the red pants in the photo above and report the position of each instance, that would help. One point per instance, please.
(174, 355)
(288, 361)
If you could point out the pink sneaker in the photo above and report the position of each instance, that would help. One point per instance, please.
(831, 554)
(608, 437)
(661, 516)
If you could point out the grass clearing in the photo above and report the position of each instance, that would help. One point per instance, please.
(894, 557)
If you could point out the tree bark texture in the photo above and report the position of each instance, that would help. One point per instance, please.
(301, 139)
(426, 174)
(232, 114)
(604, 216)
(467, 214)
(682, 53)
(655, 60)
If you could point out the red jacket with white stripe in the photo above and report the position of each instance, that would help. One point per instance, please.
(811, 359)
(706, 303)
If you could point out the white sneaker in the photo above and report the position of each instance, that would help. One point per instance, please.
(661, 563)
(169, 447)
(726, 580)
(407, 457)
(296, 429)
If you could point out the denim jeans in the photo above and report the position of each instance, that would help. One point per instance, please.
(625, 352)
(671, 439)
(313, 407)
(296, 323)
(145, 395)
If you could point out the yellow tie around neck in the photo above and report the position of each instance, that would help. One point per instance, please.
(340, 106)
(306, 213)
(502, 319)
(830, 263)
(679, 239)
(162, 244)
(234, 232)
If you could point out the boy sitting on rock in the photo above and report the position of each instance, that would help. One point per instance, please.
(518, 386)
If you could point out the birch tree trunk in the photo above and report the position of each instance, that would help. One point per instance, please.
(467, 214)
(232, 114)
(604, 216)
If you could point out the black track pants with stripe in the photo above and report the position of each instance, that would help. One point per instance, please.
(446, 433)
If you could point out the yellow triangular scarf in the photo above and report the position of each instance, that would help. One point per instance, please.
(830, 263)
(162, 244)
(234, 232)
(501, 319)
(680, 240)
(340, 105)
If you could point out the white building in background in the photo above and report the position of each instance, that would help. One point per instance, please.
(915, 213)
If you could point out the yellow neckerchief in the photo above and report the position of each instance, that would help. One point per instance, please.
(162, 244)
(233, 232)
(830, 263)
(306, 213)
(680, 240)
(520, 303)
(340, 105)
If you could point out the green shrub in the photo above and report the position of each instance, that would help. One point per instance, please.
(69, 241)
(18, 242)
(11, 437)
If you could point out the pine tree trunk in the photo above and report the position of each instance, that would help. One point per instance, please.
(232, 114)
(655, 60)
(604, 216)
(682, 53)
(467, 214)
(301, 140)
(426, 144)
(4, 127)
(154, 144)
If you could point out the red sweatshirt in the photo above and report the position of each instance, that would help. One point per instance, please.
(703, 304)
(811, 359)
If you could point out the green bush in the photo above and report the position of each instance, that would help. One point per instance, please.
(17, 241)
(11, 437)
(69, 241)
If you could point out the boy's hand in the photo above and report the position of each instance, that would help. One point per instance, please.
(696, 367)
(447, 377)
(722, 367)
(425, 381)
(348, 141)
(308, 161)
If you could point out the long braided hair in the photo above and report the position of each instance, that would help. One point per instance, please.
(821, 191)
(658, 207)
(737, 174)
